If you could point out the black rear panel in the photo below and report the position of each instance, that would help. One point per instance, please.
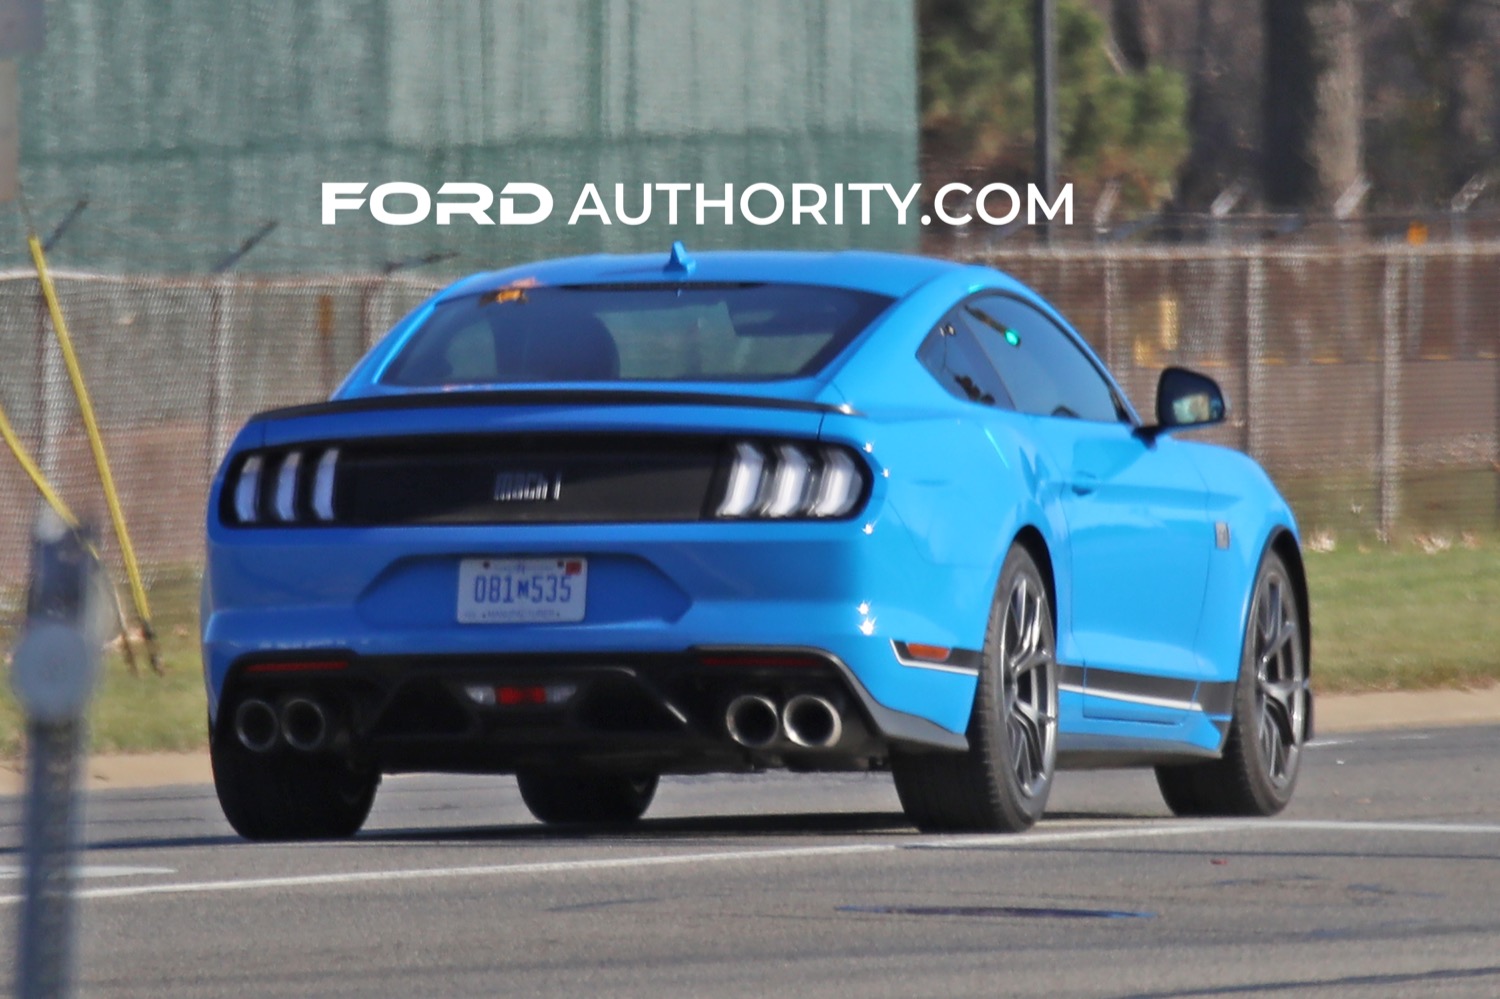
(528, 479)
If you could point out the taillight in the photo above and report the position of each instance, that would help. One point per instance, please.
(792, 480)
(294, 486)
(286, 487)
(322, 497)
(247, 490)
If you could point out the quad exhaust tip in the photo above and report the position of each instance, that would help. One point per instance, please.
(256, 725)
(300, 722)
(752, 721)
(812, 722)
(808, 720)
(304, 724)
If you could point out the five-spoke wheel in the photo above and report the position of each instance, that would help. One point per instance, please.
(1001, 783)
(1263, 749)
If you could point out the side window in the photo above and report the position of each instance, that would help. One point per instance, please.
(1041, 366)
(956, 360)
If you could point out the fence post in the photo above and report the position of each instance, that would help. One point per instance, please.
(1111, 294)
(1459, 287)
(1390, 398)
(221, 359)
(53, 396)
(1255, 349)
(54, 671)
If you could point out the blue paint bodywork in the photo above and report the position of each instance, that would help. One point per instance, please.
(1128, 522)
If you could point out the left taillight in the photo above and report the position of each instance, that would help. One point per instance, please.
(285, 486)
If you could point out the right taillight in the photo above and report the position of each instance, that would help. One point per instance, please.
(785, 480)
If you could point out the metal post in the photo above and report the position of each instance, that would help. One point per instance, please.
(1112, 352)
(1459, 236)
(1255, 351)
(221, 356)
(1390, 403)
(1221, 275)
(1044, 38)
(55, 400)
(54, 672)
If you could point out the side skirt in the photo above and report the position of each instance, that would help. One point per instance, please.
(1188, 724)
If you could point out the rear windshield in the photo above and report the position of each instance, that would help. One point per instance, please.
(687, 332)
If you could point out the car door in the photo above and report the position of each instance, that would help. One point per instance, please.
(1136, 512)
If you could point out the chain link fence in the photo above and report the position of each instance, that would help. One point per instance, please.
(1365, 378)
(175, 367)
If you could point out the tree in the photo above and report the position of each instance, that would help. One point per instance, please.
(977, 90)
(1464, 31)
(1313, 102)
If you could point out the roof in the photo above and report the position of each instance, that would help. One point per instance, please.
(890, 274)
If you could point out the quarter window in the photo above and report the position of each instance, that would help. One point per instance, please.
(1044, 371)
(955, 359)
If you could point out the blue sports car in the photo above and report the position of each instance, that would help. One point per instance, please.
(596, 520)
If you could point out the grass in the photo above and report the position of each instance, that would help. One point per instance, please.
(1420, 614)
(144, 713)
(1411, 616)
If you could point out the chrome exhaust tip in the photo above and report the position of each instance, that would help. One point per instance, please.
(256, 725)
(304, 724)
(752, 721)
(812, 722)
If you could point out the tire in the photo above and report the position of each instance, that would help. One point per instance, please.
(280, 796)
(1001, 783)
(1262, 757)
(560, 798)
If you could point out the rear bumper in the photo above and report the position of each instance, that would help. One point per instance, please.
(663, 713)
(384, 599)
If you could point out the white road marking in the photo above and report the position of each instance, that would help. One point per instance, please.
(1364, 740)
(1155, 830)
(11, 872)
(1353, 825)
(488, 870)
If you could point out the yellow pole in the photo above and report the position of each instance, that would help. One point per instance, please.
(96, 444)
(23, 458)
(34, 473)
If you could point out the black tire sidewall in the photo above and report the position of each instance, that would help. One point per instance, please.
(277, 796)
(1244, 737)
(987, 728)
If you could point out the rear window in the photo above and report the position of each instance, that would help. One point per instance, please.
(686, 332)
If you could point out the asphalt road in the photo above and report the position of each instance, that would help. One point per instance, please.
(1382, 879)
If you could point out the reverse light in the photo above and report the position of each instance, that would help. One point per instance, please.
(516, 696)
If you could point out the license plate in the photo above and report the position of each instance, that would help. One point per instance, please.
(521, 591)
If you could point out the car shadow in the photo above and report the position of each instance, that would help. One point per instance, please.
(781, 825)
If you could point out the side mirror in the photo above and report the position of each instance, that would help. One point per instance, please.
(1187, 399)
